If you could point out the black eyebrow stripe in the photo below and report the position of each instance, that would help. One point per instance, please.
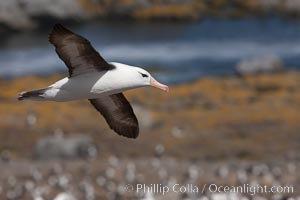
(144, 75)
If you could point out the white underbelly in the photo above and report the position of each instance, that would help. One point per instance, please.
(82, 87)
(65, 95)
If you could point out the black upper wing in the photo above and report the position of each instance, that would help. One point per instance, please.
(76, 52)
(118, 114)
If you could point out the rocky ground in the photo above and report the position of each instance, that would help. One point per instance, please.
(228, 130)
(30, 14)
(115, 178)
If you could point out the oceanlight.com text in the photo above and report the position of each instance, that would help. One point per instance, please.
(250, 189)
(211, 188)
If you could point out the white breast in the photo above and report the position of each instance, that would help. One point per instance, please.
(90, 86)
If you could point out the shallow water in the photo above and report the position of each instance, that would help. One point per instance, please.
(173, 52)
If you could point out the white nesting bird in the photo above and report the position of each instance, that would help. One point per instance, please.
(64, 196)
(91, 77)
(148, 196)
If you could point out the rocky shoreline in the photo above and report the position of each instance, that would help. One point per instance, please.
(31, 14)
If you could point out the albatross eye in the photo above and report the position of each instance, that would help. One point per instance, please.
(143, 75)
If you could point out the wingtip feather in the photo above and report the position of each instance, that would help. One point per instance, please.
(58, 30)
(131, 132)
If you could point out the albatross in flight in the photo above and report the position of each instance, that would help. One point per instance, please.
(91, 77)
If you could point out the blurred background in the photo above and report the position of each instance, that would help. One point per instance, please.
(231, 118)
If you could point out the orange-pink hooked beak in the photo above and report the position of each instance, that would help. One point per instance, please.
(158, 85)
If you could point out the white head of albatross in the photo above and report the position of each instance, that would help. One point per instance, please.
(91, 77)
(133, 77)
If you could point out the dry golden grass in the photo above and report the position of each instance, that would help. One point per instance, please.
(177, 11)
(219, 117)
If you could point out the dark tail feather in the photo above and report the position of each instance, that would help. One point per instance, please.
(35, 94)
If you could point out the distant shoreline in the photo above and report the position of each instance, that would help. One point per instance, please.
(31, 15)
(172, 52)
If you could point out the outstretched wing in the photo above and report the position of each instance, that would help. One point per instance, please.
(76, 52)
(118, 113)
